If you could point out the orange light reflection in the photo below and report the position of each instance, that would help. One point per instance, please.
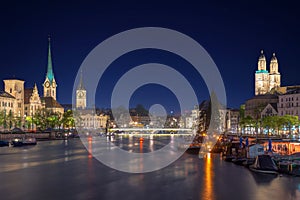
(208, 186)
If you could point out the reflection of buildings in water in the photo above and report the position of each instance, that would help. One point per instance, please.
(90, 148)
(208, 185)
(151, 143)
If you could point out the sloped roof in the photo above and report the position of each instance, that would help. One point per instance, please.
(27, 95)
(50, 102)
(264, 96)
(274, 105)
(6, 95)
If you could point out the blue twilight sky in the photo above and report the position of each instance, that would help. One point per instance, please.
(232, 32)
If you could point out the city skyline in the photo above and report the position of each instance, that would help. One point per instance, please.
(234, 44)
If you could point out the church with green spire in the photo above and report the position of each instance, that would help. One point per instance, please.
(49, 99)
(50, 83)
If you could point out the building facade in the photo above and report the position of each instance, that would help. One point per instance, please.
(16, 88)
(81, 95)
(7, 103)
(289, 103)
(255, 105)
(32, 101)
(87, 118)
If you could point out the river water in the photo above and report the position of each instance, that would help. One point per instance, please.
(65, 170)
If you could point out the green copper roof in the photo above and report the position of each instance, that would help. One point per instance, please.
(262, 71)
(50, 73)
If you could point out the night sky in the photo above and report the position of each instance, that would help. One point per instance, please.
(233, 33)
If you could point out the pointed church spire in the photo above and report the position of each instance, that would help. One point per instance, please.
(50, 73)
(80, 86)
(35, 90)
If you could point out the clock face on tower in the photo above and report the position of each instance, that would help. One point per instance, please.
(80, 94)
(53, 84)
(47, 84)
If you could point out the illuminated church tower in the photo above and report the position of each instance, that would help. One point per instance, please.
(49, 83)
(274, 74)
(261, 76)
(81, 95)
(266, 82)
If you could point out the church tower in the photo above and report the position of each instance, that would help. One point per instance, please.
(81, 95)
(261, 76)
(274, 74)
(50, 83)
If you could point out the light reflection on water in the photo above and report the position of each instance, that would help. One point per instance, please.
(65, 170)
(207, 190)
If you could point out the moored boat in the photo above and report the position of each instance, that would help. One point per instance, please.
(29, 141)
(248, 162)
(239, 161)
(17, 142)
(264, 164)
(295, 168)
(284, 166)
(4, 143)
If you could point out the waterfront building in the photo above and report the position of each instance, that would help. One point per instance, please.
(32, 101)
(15, 88)
(255, 105)
(289, 103)
(269, 110)
(232, 120)
(7, 102)
(81, 95)
(87, 117)
(219, 123)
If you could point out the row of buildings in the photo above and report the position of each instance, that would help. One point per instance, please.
(20, 102)
(270, 99)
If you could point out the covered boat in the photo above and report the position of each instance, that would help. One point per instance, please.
(4, 143)
(17, 142)
(264, 164)
(252, 152)
(29, 141)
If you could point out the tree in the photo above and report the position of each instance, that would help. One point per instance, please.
(257, 118)
(247, 122)
(141, 111)
(290, 121)
(2, 117)
(10, 119)
(68, 120)
(269, 122)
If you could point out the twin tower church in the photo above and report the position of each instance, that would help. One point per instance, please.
(265, 81)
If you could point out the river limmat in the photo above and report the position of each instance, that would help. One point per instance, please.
(63, 169)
